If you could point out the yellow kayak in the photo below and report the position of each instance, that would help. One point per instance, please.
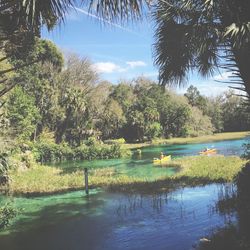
(209, 151)
(163, 160)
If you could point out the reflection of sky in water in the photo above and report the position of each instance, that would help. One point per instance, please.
(114, 221)
(117, 221)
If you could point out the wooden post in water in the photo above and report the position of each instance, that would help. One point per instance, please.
(86, 178)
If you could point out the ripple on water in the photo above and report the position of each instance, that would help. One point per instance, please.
(115, 221)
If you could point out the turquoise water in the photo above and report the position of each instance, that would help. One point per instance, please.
(113, 221)
(228, 147)
(142, 165)
(174, 221)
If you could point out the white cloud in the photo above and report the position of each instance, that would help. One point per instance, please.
(134, 64)
(107, 67)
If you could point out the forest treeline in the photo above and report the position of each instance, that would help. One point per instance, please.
(66, 100)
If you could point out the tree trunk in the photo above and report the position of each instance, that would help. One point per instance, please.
(242, 59)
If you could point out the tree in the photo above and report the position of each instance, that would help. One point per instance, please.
(202, 35)
(123, 94)
(21, 22)
(112, 120)
(43, 51)
(195, 98)
(174, 116)
(235, 113)
(215, 112)
(22, 114)
(135, 127)
(198, 123)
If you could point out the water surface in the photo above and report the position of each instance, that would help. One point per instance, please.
(142, 165)
(73, 221)
(113, 221)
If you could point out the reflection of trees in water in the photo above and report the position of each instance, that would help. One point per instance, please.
(233, 200)
(155, 204)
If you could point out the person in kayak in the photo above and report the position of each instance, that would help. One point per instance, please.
(161, 156)
(206, 149)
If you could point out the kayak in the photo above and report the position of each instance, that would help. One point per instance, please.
(209, 151)
(163, 160)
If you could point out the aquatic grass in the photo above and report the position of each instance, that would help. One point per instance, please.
(7, 213)
(215, 168)
(43, 179)
(196, 170)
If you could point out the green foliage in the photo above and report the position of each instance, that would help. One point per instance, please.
(215, 111)
(7, 213)
(235, 112)
(123, 94)
(154, 130)
(112, 119)
(91, 141)
(98, 152)
(51, 152)
(22, 114)
(192, 35)
(71, 106)
(199, 124)
(195, 98)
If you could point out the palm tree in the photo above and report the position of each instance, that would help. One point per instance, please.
(35, 13)
(190, 34)
(202, 35)
(21, 22)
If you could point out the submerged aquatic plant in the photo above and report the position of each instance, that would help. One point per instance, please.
(7, 213)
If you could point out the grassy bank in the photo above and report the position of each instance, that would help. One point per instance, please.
(198, 170)
(200, 139)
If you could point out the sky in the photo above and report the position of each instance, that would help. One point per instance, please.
(119, 52)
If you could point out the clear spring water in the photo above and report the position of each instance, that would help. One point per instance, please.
(72, 221)
(142, 165)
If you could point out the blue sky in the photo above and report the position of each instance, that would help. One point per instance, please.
(119, 52)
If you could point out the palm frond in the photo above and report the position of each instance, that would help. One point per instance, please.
(118, 9)
(185, 39)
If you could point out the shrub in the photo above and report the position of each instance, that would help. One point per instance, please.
(92, 141)
(49, 152)
(97, 152)
(154, 130)
(7, 213)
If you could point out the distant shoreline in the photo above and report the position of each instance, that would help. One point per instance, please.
(189, 140)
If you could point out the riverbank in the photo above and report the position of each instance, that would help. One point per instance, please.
(187, 140)
(195, 170)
